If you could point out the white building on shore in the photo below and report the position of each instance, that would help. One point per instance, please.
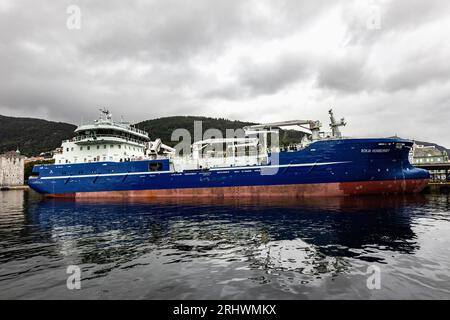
(12, 166)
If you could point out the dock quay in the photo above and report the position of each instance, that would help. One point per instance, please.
(439, 177)
(6, 188)
(437, 188)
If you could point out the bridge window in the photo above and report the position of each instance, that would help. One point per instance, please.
(155, 166)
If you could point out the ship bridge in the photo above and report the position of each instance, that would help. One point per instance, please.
(106, 130)
(104, 140)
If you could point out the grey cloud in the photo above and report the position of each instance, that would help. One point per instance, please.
(68, 72)
(275, 76)
(347, 74)
(255, 79)
(179, 30)
(148, 59)
(228, 92)
(419, 70)
(394, 17)
(166, 30)
(416, 68)
(408, 14)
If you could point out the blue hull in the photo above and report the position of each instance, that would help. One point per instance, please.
(334, 162)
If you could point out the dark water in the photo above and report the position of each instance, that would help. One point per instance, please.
(277, 249)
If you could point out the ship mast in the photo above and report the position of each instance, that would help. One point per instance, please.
(105, 115)
(336, 132)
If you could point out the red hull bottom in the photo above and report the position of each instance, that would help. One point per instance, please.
(291, 191)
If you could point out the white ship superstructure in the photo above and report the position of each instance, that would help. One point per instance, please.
(104, 140)
(109, 141)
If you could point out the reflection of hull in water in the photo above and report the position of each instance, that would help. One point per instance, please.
(345, 204)
(348, 221)
(334, 226)
(320, 230)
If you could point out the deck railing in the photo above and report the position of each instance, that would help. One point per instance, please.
(99, 138)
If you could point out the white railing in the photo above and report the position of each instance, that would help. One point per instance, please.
(120, 125)
(99, 138)
(131, 128)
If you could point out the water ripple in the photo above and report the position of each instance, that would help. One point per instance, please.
(279, 249)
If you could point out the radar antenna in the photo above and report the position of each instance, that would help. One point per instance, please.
(107, 114)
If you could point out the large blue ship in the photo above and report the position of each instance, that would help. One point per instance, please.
(110, 159)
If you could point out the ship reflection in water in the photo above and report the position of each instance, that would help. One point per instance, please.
(274, 249)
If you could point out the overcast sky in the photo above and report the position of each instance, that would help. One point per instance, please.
(384, 65)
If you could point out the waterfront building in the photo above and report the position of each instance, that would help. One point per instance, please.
(429, 155)
(11, 169)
